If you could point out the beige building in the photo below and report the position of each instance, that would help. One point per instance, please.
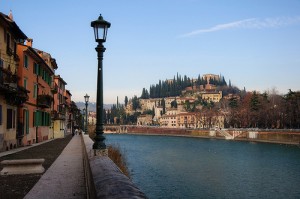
(144, 120)
(169, 119)
(211, 76)
(206, 122)
(148, 104)
(186, 120)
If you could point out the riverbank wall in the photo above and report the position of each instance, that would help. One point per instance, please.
(103, 178)
(281, 136)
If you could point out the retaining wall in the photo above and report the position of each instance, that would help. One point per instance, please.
(281, 136)
(103, 178)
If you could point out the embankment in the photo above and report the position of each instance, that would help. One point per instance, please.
(282, 136)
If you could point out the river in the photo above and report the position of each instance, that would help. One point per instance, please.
(183, 167)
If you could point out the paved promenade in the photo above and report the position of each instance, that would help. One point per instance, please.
(65, 177)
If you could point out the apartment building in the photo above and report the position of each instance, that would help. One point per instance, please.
(11, 95)
(59, 109)
(169, 119)
(211, 96)
(186, 120)
(36, 76)
(69, 112)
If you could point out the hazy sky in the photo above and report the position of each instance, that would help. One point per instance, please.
(254, 43)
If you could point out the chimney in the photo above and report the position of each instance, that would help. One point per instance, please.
(29, 42)
(10, 15)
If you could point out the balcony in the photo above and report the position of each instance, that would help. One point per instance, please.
(44, 101)
(55, 115)
(54, 89)
(14, 94)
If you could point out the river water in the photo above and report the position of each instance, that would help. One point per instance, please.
(182, 167)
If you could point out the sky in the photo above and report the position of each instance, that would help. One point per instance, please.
(253, 43)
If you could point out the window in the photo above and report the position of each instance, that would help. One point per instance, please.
(26, 121)
(0, 114)
(35, 68)
(8, 48)
(35, 88)
(41, 118)
(1, 63)
(25, 61)
(25, 83)
(11, 120)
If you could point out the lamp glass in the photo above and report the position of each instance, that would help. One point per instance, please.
(86, 98)
(100, 29)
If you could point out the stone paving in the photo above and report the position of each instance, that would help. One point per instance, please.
(65, 178)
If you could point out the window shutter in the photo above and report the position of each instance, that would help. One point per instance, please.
(27, 122)
(0, 114)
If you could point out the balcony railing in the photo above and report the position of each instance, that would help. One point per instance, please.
(55, 115)
(54, 89)
(44, 101)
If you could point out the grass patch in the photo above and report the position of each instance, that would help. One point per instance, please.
(115, 154)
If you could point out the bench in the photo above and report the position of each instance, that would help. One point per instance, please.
(22, 166)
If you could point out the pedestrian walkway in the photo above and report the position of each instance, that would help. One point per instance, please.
(22, 148)
(65, 177)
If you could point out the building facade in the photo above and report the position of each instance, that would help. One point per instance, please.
(35, 114)
(11, 95)
(59, 109)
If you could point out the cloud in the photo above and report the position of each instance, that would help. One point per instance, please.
(252, 23)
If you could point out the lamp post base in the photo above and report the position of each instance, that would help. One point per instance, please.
(100, 152)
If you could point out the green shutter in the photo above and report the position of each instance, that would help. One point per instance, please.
(35, 91)
(27, 122)
(40, 71)
(37, 69)
(37, 118)
(26, 61)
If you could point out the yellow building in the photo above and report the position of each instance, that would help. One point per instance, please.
(211, 96)
(59, 110)
(11, 95)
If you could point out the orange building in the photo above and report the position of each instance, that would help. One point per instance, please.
(34, 75)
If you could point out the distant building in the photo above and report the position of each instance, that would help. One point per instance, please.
(169, 119)
(144, 119)
(208, 77)
(211, 96)
(59, 110)
(186, 120)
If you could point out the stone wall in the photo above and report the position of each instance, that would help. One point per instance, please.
(283, 136)
(103, 178)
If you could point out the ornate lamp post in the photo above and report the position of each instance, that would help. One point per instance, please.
(86, 99)
(100, 30)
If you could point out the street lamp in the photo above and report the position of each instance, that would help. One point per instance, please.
(100, 30)
(83, 119)
(86, 99)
